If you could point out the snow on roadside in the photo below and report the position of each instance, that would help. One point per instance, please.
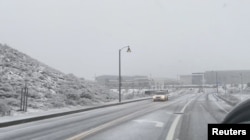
(233, 95)
(36, 112)
(39, 112)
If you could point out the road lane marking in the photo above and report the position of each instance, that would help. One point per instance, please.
(106, 125)
(169, 113)
(112, 123)
(94, 130)
(171, 132)
(157, 123)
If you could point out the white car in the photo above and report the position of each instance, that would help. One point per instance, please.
(161, 96)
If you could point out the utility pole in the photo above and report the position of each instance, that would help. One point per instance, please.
(241, 82)
(225, 88)
(24, 98)
(120, 84)
(203, 82)
(241, 85)
(217, 82)
(150, 81)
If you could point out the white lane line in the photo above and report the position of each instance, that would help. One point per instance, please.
(171, 132)
(112, 123)
(157, 123)
(169, 113)
(106, 125)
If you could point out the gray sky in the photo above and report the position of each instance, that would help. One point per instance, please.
(167, 37)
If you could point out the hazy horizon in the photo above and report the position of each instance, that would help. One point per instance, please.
(167, 38)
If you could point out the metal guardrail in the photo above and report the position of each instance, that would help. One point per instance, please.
(21, 121)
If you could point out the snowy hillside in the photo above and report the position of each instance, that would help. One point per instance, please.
(48, 88)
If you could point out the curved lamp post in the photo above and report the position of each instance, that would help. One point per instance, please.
(120, 84)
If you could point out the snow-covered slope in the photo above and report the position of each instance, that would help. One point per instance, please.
(48, 88)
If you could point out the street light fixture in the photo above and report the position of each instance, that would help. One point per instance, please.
(128, 50)
(120, 84)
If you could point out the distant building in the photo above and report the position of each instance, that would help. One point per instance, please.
(197, 78)
(107, 79)
(194, 79)
(186, 79)
(163, 83)
(227, 77)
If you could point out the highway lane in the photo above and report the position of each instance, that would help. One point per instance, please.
(203, 110)
(67, 126)
(179, 118)
(185, 120)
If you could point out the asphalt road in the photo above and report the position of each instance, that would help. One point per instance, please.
(183, 117)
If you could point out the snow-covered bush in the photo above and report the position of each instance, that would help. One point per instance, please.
(34, 94)
(71, 102)
(6, 87)
(72, 96)
(12, 102)
(57, 104)
(4, 108)
(86, 95)
(48, 95)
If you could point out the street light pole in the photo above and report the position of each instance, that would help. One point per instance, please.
(120, 79)
(120, 76)
(217, 82)
(241, 82)
(241, 85)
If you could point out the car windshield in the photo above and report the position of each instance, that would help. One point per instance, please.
(91, 69)
(160, 93)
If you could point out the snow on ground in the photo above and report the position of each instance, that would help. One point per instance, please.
(233, 95)
(242, 96)
(137, 93)
(39, 112)
(15, 115)
(36, 112)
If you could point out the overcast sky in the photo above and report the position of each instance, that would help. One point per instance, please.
(167, 37)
